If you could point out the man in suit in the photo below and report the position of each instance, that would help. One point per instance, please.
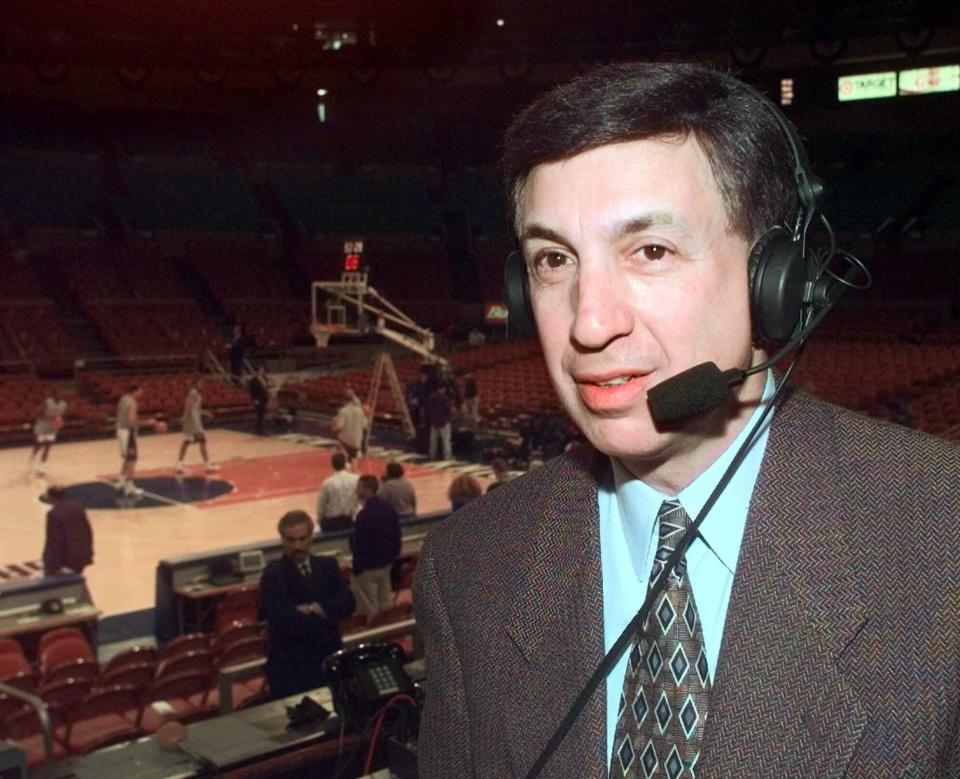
(824, 578)
(301, 598)
(69, 541)
(375, 544)
(259, 388)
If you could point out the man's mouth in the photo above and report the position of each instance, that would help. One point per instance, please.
(616, 381)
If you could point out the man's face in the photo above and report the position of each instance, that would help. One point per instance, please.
(635, 278)
(296, 541)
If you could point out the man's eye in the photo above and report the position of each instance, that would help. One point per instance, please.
(654, 251)
(547, 264)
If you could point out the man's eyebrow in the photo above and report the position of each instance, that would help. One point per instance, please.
(620, 230)
(532, 231)
(640, 224)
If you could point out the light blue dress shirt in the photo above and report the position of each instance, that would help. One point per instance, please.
(627, 546)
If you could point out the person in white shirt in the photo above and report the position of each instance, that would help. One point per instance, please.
(193, 432)
(48, 423)
(338, 500)
(350, 425)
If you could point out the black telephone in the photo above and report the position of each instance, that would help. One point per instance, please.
(364, 678)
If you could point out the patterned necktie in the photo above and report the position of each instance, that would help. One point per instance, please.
(666, 686)
(304, 569)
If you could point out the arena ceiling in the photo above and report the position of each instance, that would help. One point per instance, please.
(292, 34)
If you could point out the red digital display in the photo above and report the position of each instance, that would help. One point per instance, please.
(351, 262)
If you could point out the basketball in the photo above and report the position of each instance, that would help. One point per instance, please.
(58, 423)
(160, 426)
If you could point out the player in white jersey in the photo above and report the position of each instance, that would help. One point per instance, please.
(128, 421)
(193, 432)
(48, 423)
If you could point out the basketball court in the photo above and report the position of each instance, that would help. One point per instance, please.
(260, 478)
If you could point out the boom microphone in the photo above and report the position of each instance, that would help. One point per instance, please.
(693, 391)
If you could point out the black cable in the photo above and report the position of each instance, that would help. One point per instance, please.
(365, 732)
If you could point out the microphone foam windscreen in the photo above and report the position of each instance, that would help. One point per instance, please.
(693, 391)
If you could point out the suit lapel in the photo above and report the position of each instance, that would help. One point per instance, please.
(554, 631)
(781, 702)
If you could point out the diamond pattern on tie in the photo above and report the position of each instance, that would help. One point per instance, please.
(667, 681)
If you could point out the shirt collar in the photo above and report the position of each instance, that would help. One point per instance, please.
(639, 503)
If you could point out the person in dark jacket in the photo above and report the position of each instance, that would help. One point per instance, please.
(69, 542)
(259, 388)
(301, 598)
(375, 545)
(438, 412)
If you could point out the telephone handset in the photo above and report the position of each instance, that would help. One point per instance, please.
(364, 678)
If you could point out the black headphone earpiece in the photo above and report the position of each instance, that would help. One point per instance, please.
(516, 293)
(781, 267)
(777, 278)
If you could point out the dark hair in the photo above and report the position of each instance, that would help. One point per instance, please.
(464, 486)
(133, 386)
(394, 471)
(338, 461)
(369, 482)
(735, 125)
(293, 519)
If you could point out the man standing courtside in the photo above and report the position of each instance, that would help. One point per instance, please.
(810, 626)
(375, 544)
(350, 425)
(302, 596)
(397, 490)
(259, 388)
(338, 501)
(68, 547)
(127, 424)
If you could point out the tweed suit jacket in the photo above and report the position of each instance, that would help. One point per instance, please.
(841, 649)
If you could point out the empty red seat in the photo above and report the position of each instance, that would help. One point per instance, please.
(9, 706)
(10, 646)
(241, 605)
(182, 697)
(59, 634)
(237, 631)
(243, 651)
(13, 663)
(107, 716)
(200, 661)
(22, 680)
(139, 677)
(64, 651)
(180, 645)
(61, 695)
(25, 731)
(133, 656)
(86, 670)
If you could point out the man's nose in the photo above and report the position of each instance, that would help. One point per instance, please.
(601, 304)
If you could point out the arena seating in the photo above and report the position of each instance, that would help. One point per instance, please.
(142, 687)
(37, 334)
(163, 393)
(22, 395)
(160, 328)
(858, 374)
